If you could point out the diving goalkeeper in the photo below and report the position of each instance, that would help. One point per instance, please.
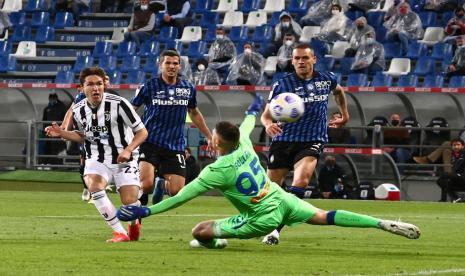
(262, 204)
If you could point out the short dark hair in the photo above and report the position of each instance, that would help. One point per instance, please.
(169, 53)
(337, 6)
(457, 140)
(91, 71)
(304, 46)
(229, 133)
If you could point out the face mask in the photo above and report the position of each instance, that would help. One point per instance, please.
(248, 51)
(360, 27)
(286, 24)
(144, 7)
(403, 10)
(370, 40)
(459, 15)
(288, 42)
(220, 36)
(52, 102)
(395, 122)
(201, 67)
(334, 12)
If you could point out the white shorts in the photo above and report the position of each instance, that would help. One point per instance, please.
(126, 174)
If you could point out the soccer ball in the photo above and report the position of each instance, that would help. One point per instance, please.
(287, 107)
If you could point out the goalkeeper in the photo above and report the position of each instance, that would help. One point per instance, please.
(262, 204)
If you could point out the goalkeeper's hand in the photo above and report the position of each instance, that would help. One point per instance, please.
(130, 213)
(255, 107)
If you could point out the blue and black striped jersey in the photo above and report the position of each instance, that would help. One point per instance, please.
(165, 111)
(312, 126)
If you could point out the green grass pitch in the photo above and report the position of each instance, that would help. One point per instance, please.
(55, 233)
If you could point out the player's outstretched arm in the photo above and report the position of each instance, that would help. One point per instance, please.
(340, 98)
(55, 131)
(198, 120)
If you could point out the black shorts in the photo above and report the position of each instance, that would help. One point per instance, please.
(286, 154)
(165, 160)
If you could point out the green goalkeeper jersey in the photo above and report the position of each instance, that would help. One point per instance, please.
(238, 175)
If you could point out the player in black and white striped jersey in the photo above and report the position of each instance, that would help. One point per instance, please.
(111, 132)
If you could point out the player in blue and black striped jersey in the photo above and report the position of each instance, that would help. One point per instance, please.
(167, 100)
(297, 146)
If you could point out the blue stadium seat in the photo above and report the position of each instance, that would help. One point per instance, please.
(45, 33)
(102, 48)
(21, 33)
(263, 33)
(428, 19)
(168, 34)
(5, 48)
(159, 19)
(40, 18)
(380, 79)
(126, 48)
(325, 64)
(381, 34)
(108, 63)
(202, 5)
(197, 49)
(424, 66)
(115, 76)
(135, 77)
(176, 45)
(210, 34)
(446, 16)
(149, 48)
(130, 63)
(66, 77)
(391, 50)
(352, 15)
(275, 18)
(238, 33)
(83, 62)
(433, 81)
(357, 80)
(319, 47)
(298, 6)
(375, 19)
(345, 64)
(456, 82)
(36, 5)
(7, 63)
(407, 80)
(209, 18)
(441, 49)
(250, 5)
(417, 50)
(18, 18)
(63, 19)
(151, 65)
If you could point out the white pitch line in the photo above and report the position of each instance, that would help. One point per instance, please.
(431, 272)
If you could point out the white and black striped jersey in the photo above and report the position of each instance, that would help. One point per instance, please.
(108, 128)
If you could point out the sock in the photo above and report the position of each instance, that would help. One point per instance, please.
(159, 190)
(349, 219)
(280, 227)
(144, 199)
(297, 191)
(210, 244)
(107, 210)
(81, 173)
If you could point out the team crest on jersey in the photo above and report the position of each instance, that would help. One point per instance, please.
(183, 92)
(107, 116)
(171, 91)
(310, 87)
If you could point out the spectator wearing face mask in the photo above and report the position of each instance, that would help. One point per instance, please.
(286, 25)
(247, 68)
(285, 53)
(54, 111)
(221, 53)
(369, 58)
(441, 5)
(456, 25)
(141, 24)
(204, 75)
(318, 12)
(398, 136)
(392, 10)
(330, 179)
(457, 65)
(404, 26)
(359, 29)
(334, 28)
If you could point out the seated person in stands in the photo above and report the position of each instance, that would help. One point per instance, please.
(177, 14)
(363, 5)
(317, 13)
(247, 68)
(141, 24)
(457, 65)
(404, 26)
(369, 58)
(330, 179)
(112, 5)
(338, 134)
(204, 75)
(285, 54)
(286, 25)
(454, 181)
(440, 5)
(399, 136)
(456, 25)
(359, 29)
(221, 53)
(392, 10)
(72, 6)
(334, 28)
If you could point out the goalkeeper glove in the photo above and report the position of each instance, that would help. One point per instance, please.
(130, 213)
(255, 107)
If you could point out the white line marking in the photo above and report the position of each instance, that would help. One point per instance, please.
(431, 272)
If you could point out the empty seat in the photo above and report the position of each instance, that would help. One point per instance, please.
(256, 18)
(149, 48)
(270, 65)
(274, 5)
(433, 81)
(118, 35)
(175, 45)
(345, 65)
(309, 32)
(202, 5)
(83, 62)
(233, 18)
(375, 19)
(250, 5)
(263, 33)
(12, 5)
(325, 64)
(436, 137)
(151, 65)
(191, 33)
(392, 50)
(108, 63)
(115, 76)
(381, 79)
(381, 34)
(102, 48)
(5, 47)
(238, 33)
(399, 66)
(63, 19)
(424, 66)
(126, 48)
(433, 35)
(135, 77)
(357, 80)
(197, 49)
(339, 49)
(66, 77)
(298, 6)
(40, 19)
(210, 34)
(456, 82)
(36, 5)
(21, 33)
(226, 6)
(7, 63)
(275, 18)
(441, 49)
(167, 34)
(353, 14)
(407, 81)
(26, 49)
(45, 33)
(18, 18)
(428, 19)
(130, 63)
(416, 50)
(320, 48)
(209, 18)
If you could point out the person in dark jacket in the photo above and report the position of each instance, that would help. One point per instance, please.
(54, 111)
(330, 179)
(453, 182)
(141, 24)
(177, 14)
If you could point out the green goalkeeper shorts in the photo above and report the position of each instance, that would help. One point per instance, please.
(290, 211)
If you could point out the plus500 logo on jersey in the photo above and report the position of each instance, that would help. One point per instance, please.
(170, 102)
